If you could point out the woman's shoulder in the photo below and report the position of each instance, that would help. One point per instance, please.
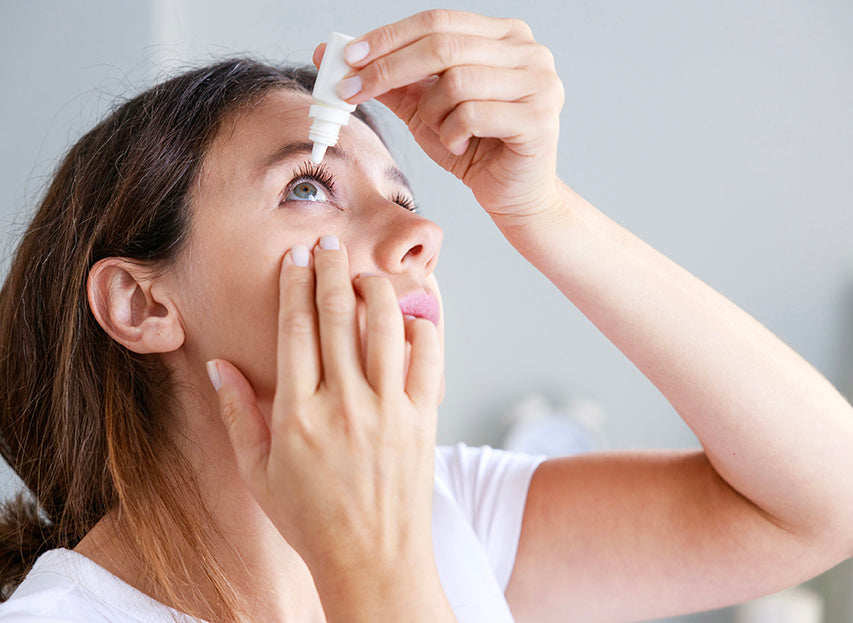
(471, 473)
(48, 593)
(488, 486)
(64, 587)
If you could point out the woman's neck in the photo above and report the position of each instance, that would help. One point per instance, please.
(264, 572)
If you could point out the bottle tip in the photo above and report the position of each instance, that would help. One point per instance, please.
(317, 153)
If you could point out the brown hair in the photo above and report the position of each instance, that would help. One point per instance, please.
(83, 421)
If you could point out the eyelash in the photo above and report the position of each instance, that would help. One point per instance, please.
(315, 173)
(320, 174)
(406, 202)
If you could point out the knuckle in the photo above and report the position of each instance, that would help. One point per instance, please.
(518, 28)
(297, 424)
(381, 71)
(549, 98)
(437, 20)
(230, 414)
(444, 48)
(545, 56)
(453, 81)
(336, 305)
(467, 113)
(346, 407)
(539, 55)
(298, 322)
(296, 275)
(297, 280)
(384, 39)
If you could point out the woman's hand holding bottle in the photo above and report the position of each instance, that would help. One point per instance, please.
(478, 94)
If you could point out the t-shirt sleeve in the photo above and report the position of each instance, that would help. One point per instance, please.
(490, 486)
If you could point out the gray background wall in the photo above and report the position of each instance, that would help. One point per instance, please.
(718, 131)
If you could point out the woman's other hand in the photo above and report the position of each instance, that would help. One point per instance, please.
(344, 464)
(480, 96)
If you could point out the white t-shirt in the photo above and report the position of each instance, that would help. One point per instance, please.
(478, 504)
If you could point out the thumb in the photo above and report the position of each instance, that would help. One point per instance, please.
(245, 424)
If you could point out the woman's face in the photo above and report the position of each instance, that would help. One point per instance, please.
(258, 196)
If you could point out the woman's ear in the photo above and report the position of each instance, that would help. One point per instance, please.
(130, 307)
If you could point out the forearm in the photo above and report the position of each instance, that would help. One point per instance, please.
(773, 427)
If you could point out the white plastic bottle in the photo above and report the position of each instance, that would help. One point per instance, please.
(329, 112)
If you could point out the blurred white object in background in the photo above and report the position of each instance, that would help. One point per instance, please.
(795, 605)
(538, 425)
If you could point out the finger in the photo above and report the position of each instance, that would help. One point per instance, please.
(336, 314)
(385, 39)
(524, 129)
(423, 382)
(247, 429)
(299, 369)
(473, 82)
(404, 101)
(433, 55)
(385, 334)
(317, 57)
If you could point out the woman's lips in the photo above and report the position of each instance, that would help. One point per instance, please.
(421, 305)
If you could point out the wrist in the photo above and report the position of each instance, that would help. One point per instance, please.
(524, 229)
(405, 589)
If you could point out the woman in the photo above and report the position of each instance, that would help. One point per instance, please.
(210, 388)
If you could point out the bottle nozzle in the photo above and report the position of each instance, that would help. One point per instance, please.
(317, 153)
(329, 112)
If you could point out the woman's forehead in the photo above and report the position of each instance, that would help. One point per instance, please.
(255, 134)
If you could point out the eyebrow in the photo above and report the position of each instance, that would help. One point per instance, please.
(396, 175)
(300, 149)
(304, 148)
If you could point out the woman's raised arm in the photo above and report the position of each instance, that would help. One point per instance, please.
(768, 504)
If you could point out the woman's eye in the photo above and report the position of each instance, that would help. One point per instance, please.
(306, 191)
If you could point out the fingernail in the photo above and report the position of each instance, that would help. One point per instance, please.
(329, 243)
(213, 373)
(356, 51)
(349, 87)
(299, 255)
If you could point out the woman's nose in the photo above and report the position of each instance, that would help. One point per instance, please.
(408, 242)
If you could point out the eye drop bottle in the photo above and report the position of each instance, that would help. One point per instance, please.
(329, 112)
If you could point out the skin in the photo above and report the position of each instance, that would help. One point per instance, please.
(765, 504)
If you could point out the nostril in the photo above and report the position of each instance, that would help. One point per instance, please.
(415, 250)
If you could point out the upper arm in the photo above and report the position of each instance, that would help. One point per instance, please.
(629, 537)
